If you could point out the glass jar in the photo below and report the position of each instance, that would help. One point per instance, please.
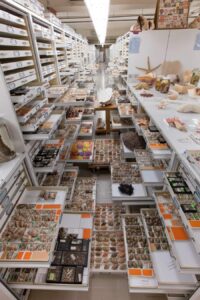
(162, 85)
(195, 77)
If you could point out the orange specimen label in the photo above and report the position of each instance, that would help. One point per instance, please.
(20, 255)
(86, 216)
(135, 272)
(195, 223)
(86, 234)
(51, 206)
(167, 216)
(27, 255)
(179, 233)
(148, 272)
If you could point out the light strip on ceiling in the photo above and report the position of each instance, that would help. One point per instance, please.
(99, 11)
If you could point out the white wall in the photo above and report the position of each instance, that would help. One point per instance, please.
(181, 45)
(165, 45)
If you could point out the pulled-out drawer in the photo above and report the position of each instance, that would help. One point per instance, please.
(12, 77)
(13, 85)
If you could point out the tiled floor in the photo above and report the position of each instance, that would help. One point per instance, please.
(103, 188)
(102, 287)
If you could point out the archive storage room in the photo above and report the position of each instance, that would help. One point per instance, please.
(99, 149)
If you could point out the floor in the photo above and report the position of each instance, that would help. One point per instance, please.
(102, 287)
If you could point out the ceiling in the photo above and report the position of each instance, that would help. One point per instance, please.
(121, 16)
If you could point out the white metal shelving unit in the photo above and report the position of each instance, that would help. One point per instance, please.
(33, 57)
(177, 160)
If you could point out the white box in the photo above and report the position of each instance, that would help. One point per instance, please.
(14, 53)
(43, 45)
(46, 60)
(46, 52)
(13, 30)
(17, 65)
(13, 42)
(43, 34)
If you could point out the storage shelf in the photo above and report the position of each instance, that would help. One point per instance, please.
(162, 260)
(74, 170)
(149, 284)
(188, 261)
(35, 106)
(21, 100)
(54, 121)
(31, 196)
(32, 127)
(90, 133)
(153, 178)
(119, 126)
(52, 167)
(194, 232)
(76, 224)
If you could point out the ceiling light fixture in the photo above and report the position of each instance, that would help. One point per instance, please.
(99, 11)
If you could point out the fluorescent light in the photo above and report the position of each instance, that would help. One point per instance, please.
(99, 10)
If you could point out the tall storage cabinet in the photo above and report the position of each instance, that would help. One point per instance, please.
(36, 56)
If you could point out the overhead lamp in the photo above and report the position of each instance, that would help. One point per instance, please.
(99, 11)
